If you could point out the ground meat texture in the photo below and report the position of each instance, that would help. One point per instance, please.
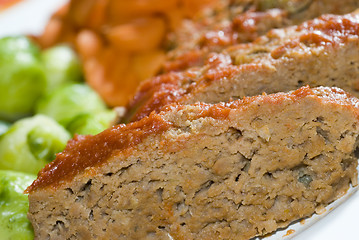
(242, 21)
(223, 171)
(320, 52)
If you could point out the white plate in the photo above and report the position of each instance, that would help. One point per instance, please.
(340, 221)
(28, 16)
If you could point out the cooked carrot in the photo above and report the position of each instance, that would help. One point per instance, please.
(97, 15)
(121, 42)
(147, 64)
(51, 33)
(139, 35)
(88, 44)
(80, 11)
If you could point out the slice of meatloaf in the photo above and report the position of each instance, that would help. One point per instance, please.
(320, 52)
(202, 171)
(241, 21)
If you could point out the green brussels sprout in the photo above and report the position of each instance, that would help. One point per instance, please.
(4, 127)
(69, 101)
(91, 123)
(31, 143)
(61, 66)
(22, 78)
(14, 206)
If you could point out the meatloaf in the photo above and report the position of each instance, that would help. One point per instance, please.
(226, 171)
(241, 21)
(135, 36)
(320, 52)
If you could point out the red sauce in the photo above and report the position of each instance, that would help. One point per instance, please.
(92, 151)
(155, 93)
(326, 30)
(246, 24)
(7, 3)
(244, 27)
(316, 38)
(249, 26)
(289, 232)
(173, 87)
(332, 28)
(220, 66)
(215, 39)
(84, 152)
(217, 111)
(158, 98)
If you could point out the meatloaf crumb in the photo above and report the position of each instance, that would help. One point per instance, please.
(226, 171)
(320, 52)
(242, 21)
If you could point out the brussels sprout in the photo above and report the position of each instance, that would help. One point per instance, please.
(61, 66)
(69, 101)
(91, 123)
(22, 79)
(30, 143)
(3, 127)
(14, 205)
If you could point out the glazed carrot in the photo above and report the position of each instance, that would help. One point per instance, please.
(80, 11)
(88, 44)
(121, 42)
(139, 35)
(106, 72)
(147, 64)
(51, 33)
(97, 15)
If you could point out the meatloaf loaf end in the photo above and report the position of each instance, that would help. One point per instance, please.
(202, 171)
(320, 52)
(238, 21)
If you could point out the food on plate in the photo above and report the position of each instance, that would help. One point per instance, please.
(87, 123)
(4, 126)
(22, 79)
(30, 143)
(144, 38)
(28, 73)
(226, 171)
(69, 101)
(241, 22)
(29, 77)
(319, 52)
(128, 34)
(14, 205)
(62, 66)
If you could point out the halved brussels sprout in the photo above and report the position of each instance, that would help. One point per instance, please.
(31, 143)
(14, 206)
(69, 101)
(22, 79)
(62, 66)
(91, 123)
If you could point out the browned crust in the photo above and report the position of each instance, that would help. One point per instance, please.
(327, 31)
(92, 151)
